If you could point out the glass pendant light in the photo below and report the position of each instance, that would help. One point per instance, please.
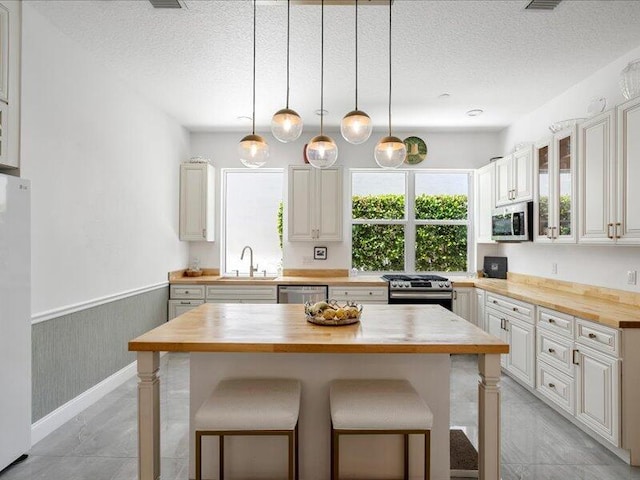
(390, 151)
(356, 125)
(322, 151)
(253, 150)
(286, 124)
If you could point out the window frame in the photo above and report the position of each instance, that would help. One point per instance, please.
(410, 222)
(223, 208)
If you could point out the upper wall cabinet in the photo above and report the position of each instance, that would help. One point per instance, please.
(10, 22)
(197, 213)
(315, 204)
(609, 176)
(485, 202)
(555, 186)
(513, 177)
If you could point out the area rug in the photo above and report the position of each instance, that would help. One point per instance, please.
(463, 455)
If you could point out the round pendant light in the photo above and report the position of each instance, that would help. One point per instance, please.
(356, 125)
(390, 151)
(286, 124)
(253, 150)
(322, 151)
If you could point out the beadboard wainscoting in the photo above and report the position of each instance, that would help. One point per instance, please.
(79, 356)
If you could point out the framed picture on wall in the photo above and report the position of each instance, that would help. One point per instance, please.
(319, 253)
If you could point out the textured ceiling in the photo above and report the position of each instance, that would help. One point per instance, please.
(195, 63)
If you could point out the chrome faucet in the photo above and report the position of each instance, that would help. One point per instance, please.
(251, 267)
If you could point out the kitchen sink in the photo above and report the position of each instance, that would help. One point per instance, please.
(233, 277)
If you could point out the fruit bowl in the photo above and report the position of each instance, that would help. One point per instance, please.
(332, 313)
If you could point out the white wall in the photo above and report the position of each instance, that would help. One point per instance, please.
(596, 265)
(465, 150)
(103, 163)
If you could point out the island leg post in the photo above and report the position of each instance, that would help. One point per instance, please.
(148, 416)
(489, 417)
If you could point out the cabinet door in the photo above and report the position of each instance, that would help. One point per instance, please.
(542, 215)
(329, 204)
(10, 46)
(564, 188)
(480, 297)
(597, 399)
(521, 351)
(4, 128)
(522, 174)
(596, 163)
(178, 307)
(300, 221)
(462, 303)
(196, 202)
(628, 222)
(503, 180)
(485, 202)
(494, 322)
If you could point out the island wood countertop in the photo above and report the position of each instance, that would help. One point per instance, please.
(283, 328)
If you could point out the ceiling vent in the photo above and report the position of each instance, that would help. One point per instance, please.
(166, 3)
(542, 4)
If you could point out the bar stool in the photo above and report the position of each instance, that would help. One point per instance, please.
(384, 407)
(250, 407)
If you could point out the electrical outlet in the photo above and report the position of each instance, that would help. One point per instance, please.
(632, 277)
(307, 260)
(554, 268)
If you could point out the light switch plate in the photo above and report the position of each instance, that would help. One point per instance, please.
(632, 277)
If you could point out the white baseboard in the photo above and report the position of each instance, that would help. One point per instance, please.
(73, 407)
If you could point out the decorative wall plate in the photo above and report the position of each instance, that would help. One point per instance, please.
(416, 150)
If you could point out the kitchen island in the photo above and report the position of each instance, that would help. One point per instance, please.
(401, 341)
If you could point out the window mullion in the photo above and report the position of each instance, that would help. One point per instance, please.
(410, 227)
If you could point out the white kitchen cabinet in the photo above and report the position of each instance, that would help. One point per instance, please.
(479, 308)
(522, 357)
(178, 307)
(197, 213)
(555, 186)
(315, 204)
(242, 294)
(598, 392)
(609, 174)
(513, 177)
(495, 325)
(462, 303)
(375, 295)
(10, 37)
(485, 202)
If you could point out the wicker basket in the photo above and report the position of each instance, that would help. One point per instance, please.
(346, 314)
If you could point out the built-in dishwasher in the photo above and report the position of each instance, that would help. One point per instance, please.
(302, 293)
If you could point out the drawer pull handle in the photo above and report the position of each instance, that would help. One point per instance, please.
(185, 303)
(593, 335)
(552, 350)
(186, 292)
(370, 293)
(552, 385)
(575, 362)
(551, 320)
(515, 309)
(495, 301)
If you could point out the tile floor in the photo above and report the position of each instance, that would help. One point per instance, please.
(100, 443)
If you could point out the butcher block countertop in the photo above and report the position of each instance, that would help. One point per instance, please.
(359, 281)
(283, 328)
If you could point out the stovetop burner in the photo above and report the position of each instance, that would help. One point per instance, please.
(414, 278)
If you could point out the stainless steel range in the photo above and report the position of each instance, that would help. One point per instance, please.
(423, 289)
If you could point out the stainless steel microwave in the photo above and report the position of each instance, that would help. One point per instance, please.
(512, 223)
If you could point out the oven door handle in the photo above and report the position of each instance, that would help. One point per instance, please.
(421, 295)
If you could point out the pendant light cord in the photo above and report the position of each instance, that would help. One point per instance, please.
(253, 128)
(322, 67)
(288, 32)
(390, 67)
(356, 54)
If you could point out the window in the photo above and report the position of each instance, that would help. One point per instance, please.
(410, 220)
(251, 205)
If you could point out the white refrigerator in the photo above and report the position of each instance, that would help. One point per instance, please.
(15, 319)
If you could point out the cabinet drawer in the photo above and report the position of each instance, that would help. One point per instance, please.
(556, 386)
(186, 292)
(556, 322)
(359, 294)
(598, 336)
(238, 293)
(178, 307)
(555, 350)
(521, 310)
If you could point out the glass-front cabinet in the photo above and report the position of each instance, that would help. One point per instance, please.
(555, 184)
